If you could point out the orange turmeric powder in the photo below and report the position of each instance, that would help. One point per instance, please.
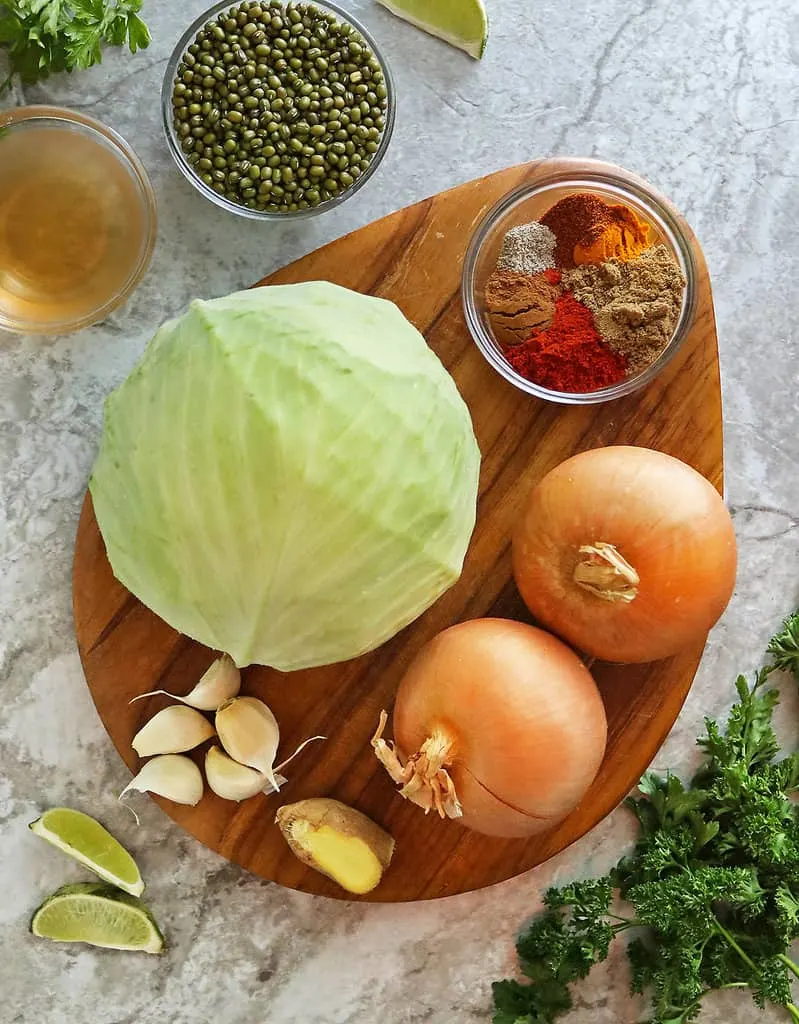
(624, 238)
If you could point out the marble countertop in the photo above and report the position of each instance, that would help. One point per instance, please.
(702, 99)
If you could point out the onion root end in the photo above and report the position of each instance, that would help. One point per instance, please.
(423, 778)
(606, 574)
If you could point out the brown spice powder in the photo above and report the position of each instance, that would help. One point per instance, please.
(636, 304)
(577, 219)
(518, 303)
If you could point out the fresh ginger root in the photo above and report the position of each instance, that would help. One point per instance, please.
(337, 841)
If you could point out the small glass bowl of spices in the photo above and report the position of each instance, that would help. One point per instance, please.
(580, 287)
(276, 109)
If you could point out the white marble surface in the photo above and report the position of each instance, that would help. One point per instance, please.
(703, 99)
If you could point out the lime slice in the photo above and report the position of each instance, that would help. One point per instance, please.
(99, 914)
(88, 842)
(463, 23)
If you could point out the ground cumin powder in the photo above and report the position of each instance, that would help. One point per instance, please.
(518, 303)
(636, 303)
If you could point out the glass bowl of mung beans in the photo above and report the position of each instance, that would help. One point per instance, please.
(277, 109)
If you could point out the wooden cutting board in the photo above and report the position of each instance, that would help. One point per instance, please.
(414, 257)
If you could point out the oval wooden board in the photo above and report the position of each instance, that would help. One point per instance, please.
(414, 257)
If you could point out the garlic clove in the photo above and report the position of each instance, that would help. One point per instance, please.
(250, 734)
(220, 682)
(231, 780)
(172, 776)
(172, 731)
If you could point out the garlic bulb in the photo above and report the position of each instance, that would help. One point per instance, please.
(172, 776)
(250, 734)
(234, 781)
(172, 731)
(220, 682)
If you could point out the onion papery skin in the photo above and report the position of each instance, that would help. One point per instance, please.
(665, 519)
(524, 718)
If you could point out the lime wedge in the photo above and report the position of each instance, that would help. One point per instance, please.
(463, 23)
(99, 914)
(88, 842)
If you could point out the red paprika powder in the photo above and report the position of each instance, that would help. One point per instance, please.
(570, 354)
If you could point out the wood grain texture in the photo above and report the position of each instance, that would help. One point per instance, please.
(414, 257)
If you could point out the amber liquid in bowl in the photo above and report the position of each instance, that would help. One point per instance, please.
(72, 224)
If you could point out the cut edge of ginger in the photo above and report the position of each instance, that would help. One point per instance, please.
(347, 860)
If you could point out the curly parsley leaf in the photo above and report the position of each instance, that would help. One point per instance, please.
(713, 880)
(42, 37)
(562, 946)
(749, 739)
(784, 647)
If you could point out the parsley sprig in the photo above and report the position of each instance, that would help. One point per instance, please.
(45, 36)
(713, 880)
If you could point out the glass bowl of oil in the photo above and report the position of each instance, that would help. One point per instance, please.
(77, 220)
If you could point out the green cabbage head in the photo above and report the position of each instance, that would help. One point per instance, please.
(289, 475)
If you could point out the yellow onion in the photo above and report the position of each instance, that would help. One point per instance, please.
(498, 725)
(627, 553)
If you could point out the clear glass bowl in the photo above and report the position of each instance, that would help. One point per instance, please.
(136, 262)
(243, 211)
(530, 202)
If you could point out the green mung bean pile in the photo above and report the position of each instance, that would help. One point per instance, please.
(279, 107)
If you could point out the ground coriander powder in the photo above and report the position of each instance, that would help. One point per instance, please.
(636, 304)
